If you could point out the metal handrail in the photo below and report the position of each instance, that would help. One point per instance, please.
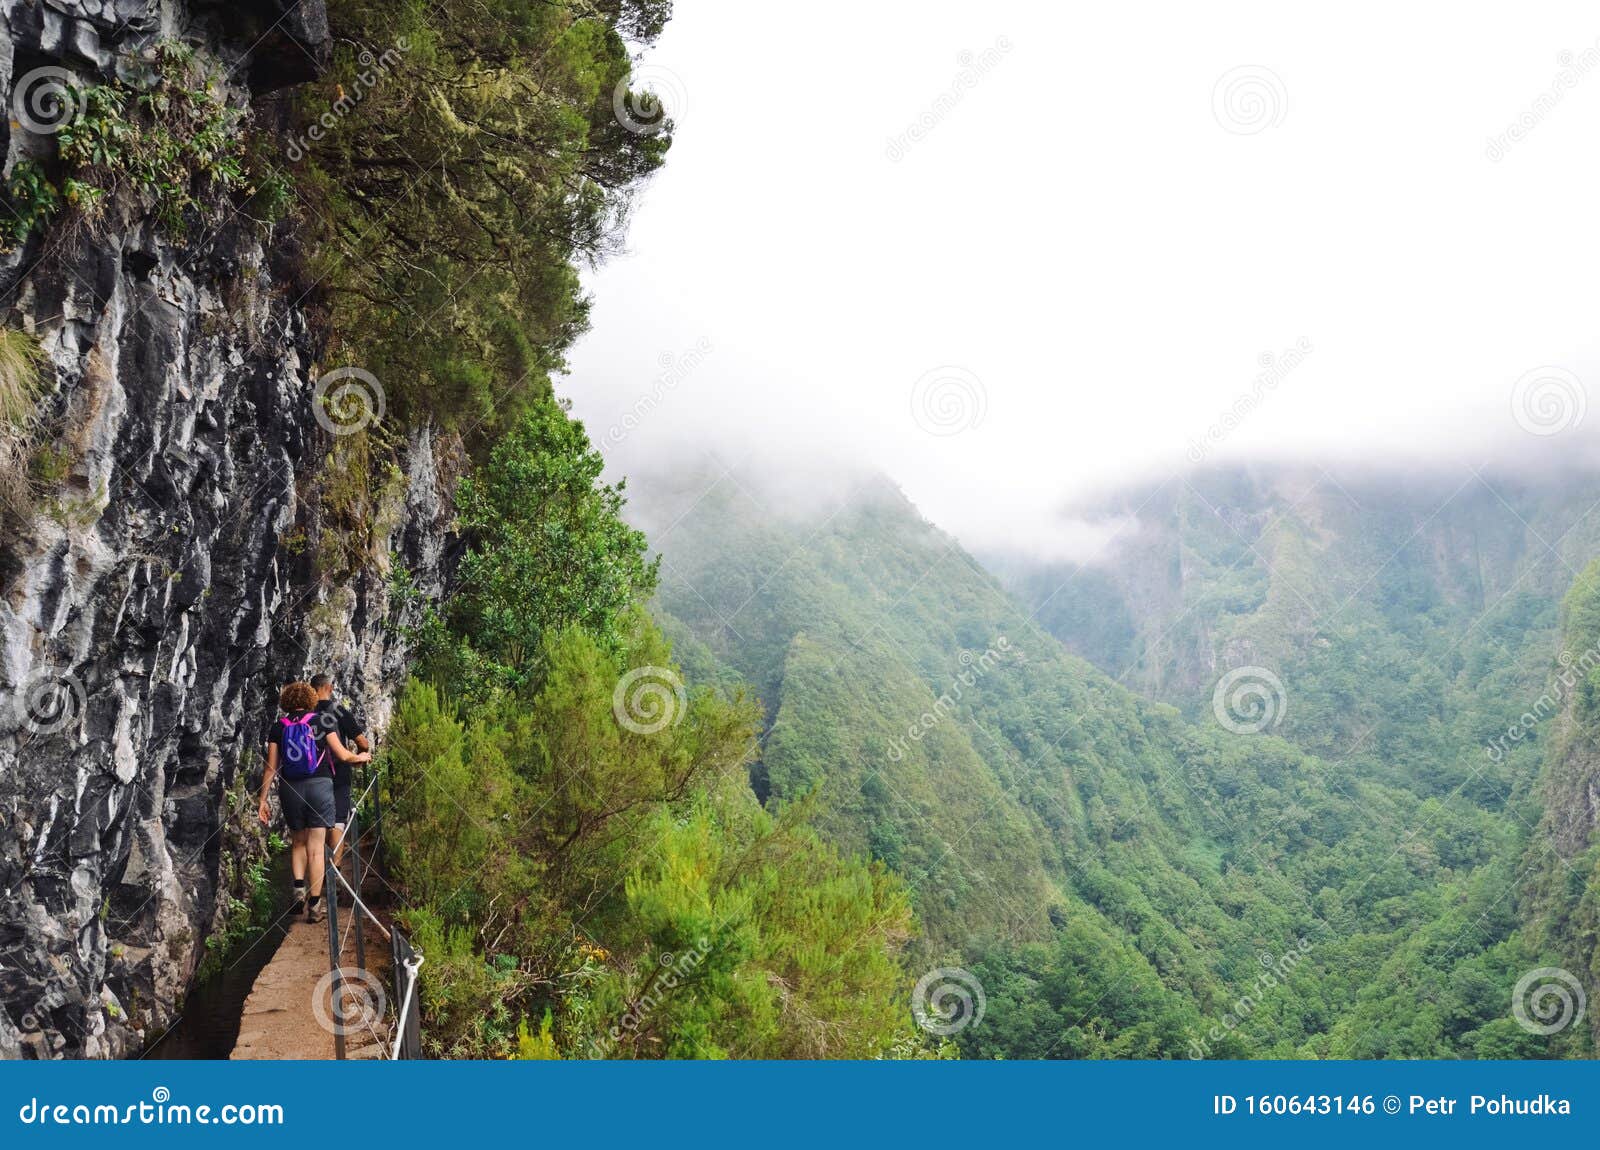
(410, 961)
(365, 909)
(335, 957)
(413, 964)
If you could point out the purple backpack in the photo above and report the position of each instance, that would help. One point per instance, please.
(299, 747)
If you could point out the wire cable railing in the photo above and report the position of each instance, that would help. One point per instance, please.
(405, 960)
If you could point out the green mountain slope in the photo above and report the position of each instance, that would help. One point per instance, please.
(1409, 619)
(1562, 899)
(1117, 878)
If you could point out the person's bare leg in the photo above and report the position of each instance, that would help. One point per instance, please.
(316, 860)
(316, 865)
(336, 844)
(297, 867)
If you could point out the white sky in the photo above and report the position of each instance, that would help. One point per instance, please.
(1081, 235)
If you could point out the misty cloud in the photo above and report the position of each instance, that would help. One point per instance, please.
(1100, 266)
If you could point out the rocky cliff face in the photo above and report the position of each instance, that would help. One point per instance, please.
(167, 580)
(1561, 871)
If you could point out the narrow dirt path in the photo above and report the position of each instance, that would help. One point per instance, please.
(281, 1016)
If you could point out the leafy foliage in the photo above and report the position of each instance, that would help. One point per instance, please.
(551, 549)
(1116, 877)
(174, 139)
(618, 883)
(31, 198)
(554, 860)
(460, 158)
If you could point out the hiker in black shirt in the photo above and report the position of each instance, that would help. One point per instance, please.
(303, 758)
(340, 719)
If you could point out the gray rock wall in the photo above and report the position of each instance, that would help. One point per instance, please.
(157, 596)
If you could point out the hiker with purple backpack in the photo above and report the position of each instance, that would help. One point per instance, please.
(303, 756)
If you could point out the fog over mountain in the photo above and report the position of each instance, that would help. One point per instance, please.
(1015, 270)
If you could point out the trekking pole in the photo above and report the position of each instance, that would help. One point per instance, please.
(330, 886)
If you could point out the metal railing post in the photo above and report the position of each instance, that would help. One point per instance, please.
(352, 834)
(330, 895)
(377, 826)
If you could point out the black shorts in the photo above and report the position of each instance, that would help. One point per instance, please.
(341, 804)
(307, 802)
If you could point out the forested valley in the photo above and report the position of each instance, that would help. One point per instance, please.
(687, 773)
(715, 761)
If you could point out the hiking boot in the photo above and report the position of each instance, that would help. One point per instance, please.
(317, 912)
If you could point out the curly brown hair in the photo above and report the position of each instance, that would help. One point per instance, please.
(297, 697)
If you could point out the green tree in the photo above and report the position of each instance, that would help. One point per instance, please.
(456, 163)
(548, 549)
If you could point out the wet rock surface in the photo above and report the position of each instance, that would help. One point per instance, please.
(167, 582)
